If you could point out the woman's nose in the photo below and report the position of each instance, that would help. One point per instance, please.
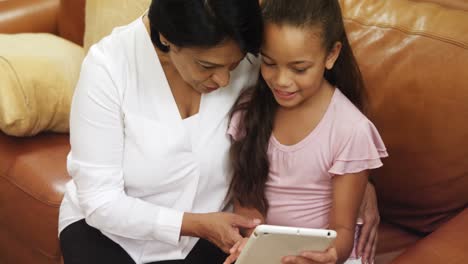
(221, 77)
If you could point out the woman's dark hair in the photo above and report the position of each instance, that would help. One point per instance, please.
(206, 23)
(257, 105)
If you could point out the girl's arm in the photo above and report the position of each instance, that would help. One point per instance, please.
(348, 191)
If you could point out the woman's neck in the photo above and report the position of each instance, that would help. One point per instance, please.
(163, 57)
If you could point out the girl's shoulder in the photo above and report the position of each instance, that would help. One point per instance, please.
(346, 120)
(344, 110)
(356, 141)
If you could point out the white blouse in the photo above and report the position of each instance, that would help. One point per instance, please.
(135, 167)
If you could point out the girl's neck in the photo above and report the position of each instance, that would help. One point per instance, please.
(292, 125)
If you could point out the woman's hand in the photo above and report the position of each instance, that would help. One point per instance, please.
(221, 229)
(236, 250)
(312, 257)
(369, 213)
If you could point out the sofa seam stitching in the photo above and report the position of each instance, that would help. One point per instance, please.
(410, 32)
(31, 194)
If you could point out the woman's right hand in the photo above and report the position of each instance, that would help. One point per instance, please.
(221, 229)
(236, 250)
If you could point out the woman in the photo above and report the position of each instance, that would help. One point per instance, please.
(149, 148)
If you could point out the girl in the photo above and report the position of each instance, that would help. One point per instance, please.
(302, 147)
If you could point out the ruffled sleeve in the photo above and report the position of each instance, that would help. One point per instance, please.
(362, 151)
(234, 127)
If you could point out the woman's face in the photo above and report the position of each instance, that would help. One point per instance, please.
(206, 69)
(294, 61)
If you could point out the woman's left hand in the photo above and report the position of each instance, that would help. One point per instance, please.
(369, 213)
(312, 257)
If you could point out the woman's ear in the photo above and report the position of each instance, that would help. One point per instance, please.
(333, 55)
(163, 40)
(167, 43)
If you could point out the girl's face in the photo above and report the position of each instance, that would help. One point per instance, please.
(294, 61)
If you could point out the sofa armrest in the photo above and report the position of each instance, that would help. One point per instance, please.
(445, 245)
(17, 16)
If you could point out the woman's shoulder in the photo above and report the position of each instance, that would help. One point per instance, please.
(112, 46)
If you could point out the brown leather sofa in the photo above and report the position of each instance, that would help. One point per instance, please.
(414, 57)
(33, 170)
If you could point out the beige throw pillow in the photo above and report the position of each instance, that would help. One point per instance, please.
(103, 15)
(38, 73)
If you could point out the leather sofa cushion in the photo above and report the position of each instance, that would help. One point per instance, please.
(38, 73)
(414, 60)
(447, 244)
(32, 181)
(393, 240)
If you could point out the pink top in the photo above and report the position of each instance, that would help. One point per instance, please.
(299, 188)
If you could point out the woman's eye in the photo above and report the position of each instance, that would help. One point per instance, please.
(233, 67)
(268, 64)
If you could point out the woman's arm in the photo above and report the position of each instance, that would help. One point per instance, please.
(369, 213)
(95, 164)
(348, 191)
(221, 229)
(250, 213)
(96, 160)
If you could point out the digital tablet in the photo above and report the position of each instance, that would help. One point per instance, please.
(268, 243)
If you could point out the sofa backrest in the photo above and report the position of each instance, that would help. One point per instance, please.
(28, 16)
(71, 20)
(104, 15)
(87, 21)
(414, 59)
(454, 4)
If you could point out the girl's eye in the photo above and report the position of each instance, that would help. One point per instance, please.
(299, 70)
(206, 67)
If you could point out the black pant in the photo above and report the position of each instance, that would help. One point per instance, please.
(83, 244)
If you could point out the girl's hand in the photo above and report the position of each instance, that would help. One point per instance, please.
(236, 250)
(312, 257)
(221, 229)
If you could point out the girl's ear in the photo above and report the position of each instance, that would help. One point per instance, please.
(333, 55)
